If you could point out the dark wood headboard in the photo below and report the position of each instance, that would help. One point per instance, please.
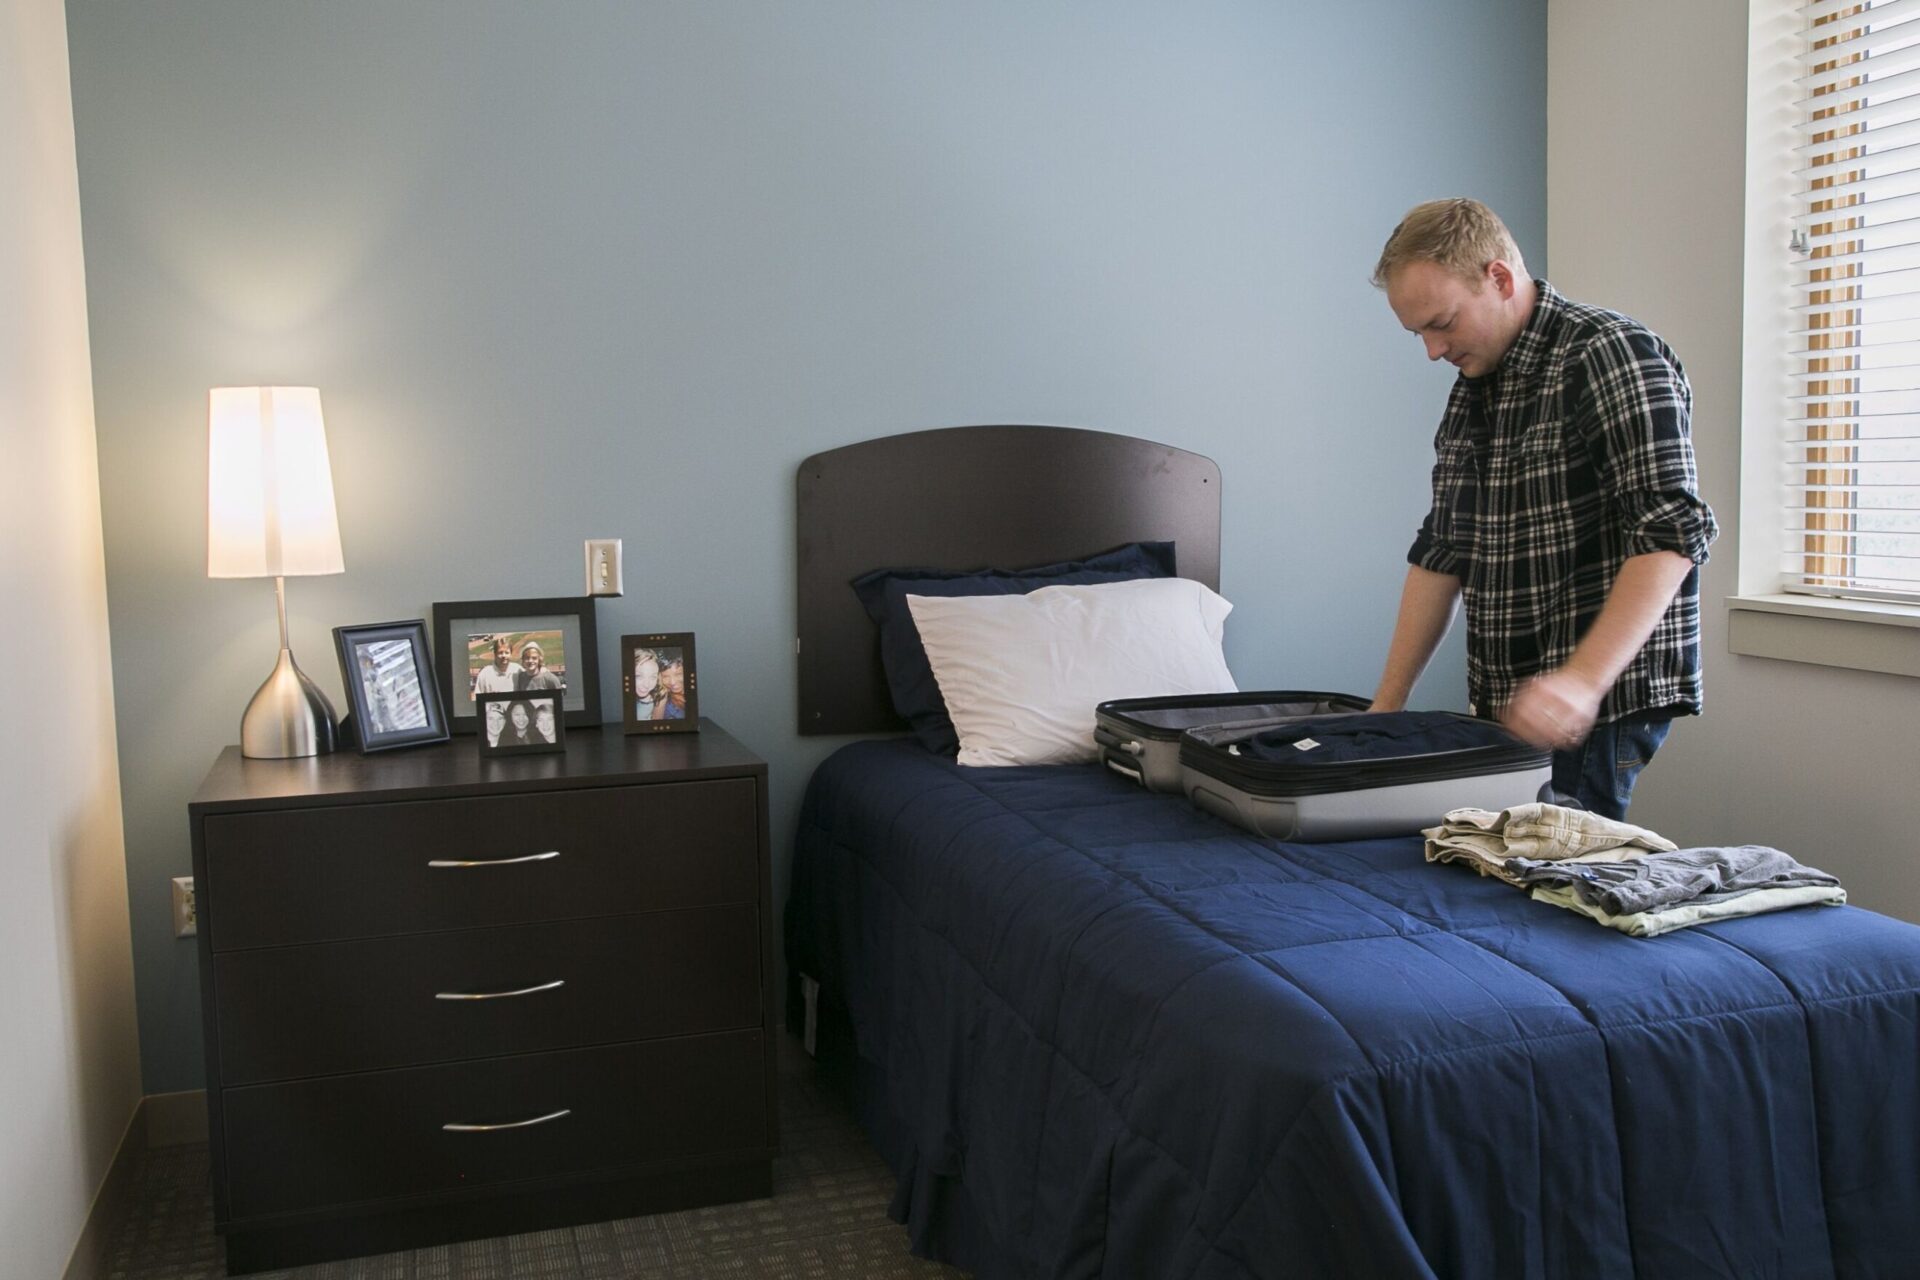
(970, 498)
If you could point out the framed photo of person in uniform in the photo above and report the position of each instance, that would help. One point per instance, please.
(518, 646)
(391, 693)
(659, 689)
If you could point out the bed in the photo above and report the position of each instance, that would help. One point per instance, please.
(1096, 1032)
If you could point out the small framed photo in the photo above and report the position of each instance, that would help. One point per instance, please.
(518, 646)
(659, 690)
(389, 681)
(518, 724)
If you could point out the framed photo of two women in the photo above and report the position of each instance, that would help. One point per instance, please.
(659, 688)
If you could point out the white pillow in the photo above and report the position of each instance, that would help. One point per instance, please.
(1021, 674)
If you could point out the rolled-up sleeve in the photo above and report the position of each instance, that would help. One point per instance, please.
(1430, 549)
(1435, 547)
(1634, 410)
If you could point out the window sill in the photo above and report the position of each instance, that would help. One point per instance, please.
(1861, 635)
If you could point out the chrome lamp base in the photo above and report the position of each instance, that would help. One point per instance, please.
(289, 716)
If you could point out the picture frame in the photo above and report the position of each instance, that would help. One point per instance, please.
(660, 660)
(534, 715)
(386, 669)
(467, 634)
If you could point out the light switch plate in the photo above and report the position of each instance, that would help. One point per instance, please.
(603, 567)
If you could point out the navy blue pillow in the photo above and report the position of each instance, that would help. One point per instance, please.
(884, 592)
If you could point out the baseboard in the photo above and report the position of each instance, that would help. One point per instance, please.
(91, 1258)
(175, 1119)
(161, 1120)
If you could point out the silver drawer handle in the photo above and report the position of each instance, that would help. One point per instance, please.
(516, 1124)
(499, 995)
(495, 862)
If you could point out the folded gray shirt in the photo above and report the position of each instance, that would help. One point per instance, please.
(1654, 881)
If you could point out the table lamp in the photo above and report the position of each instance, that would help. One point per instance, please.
(270, 514)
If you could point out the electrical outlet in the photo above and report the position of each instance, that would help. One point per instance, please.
(603, 567)
(186, 912)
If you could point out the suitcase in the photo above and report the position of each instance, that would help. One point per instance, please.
(1139, 738)
(1353, 777)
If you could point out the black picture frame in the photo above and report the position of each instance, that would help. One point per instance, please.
(456, 624)
(533, 699)
(386, 670)
(637, 713)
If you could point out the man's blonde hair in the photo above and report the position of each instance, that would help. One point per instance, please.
(1459, 234)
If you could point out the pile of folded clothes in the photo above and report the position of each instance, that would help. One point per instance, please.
(1625, 877)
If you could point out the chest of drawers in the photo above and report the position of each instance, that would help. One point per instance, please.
(447, 997)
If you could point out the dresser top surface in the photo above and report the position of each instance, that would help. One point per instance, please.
(603, 756)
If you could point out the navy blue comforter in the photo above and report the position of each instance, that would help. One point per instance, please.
(1110, 1036)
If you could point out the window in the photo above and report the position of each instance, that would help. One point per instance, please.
(1853, 437)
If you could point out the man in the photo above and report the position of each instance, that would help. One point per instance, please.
(533, 674)
(502, 675)
(388, 706)
(1565, 508)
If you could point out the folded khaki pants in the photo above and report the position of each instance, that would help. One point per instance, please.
(1484, 839)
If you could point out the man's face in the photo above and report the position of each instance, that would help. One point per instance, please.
(501, 656)
(530, 659)
(1470, 325)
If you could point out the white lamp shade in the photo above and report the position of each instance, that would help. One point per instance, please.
(269, 486)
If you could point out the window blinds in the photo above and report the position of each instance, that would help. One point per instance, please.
(1853, 434)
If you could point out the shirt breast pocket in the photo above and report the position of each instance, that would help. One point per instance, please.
(1453, 459)
(1539, 464)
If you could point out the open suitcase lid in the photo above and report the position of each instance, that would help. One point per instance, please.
(1165, 719)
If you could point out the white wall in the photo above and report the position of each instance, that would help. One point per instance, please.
(1646, 205)
(69, 1062)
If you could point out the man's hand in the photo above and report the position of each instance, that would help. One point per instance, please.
(1555, 710)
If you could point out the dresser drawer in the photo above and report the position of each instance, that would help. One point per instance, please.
(323, 874)
(287, 1012)
(300, 1147)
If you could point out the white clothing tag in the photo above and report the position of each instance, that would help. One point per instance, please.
(1305, 744)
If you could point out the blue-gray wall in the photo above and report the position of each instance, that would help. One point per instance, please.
(613, 269)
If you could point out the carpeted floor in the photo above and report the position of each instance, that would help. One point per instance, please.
(827, 1220)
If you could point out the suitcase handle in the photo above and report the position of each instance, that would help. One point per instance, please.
(1219, 806)
(1125, 770)
(1107, 738)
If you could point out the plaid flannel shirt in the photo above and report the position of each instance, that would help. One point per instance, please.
(1551, 471)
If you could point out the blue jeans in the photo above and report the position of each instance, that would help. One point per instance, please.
(1598, 775)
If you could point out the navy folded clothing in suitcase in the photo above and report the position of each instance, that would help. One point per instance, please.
(1354, 776)
(1139, 738)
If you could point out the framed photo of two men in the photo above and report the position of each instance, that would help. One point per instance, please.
(518, 646)
(659, 689)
